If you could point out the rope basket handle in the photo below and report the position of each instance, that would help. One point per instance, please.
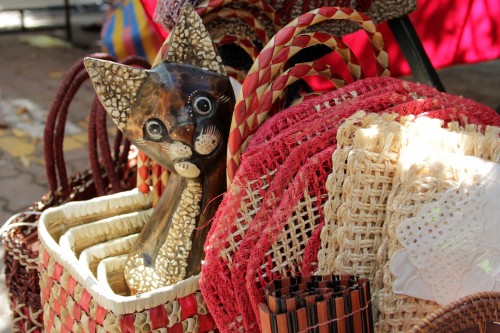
(273, 90)
(246, 16)
(97, 132)
(262, 6)
(272, 60)
(54, 128)
(151, 177)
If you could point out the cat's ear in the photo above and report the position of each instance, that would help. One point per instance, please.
(190, 43)
(116, 85)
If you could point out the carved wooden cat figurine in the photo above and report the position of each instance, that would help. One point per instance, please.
(179, 114)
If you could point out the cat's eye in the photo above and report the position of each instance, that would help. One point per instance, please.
(155, 129)
(202, 105)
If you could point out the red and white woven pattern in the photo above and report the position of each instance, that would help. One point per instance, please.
(150, 174)
(286, 234)
(74, 300)
(263, 7)
(70, 307)
(317, 104)
(271, 61)
(254, 195)
(325, 121)
(246, 16)
(237, 210)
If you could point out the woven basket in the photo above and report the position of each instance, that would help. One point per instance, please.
(477, 311)
(380, 10)
(265, 176)
(421, 180)
(92, 256)
(74, 299)
(267, 78)
(353, 239)
(110, 171)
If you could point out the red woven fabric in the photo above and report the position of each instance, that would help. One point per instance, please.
(258, 170)
(257, 206)
(260, 270)
(311, 177)
(297, 113)
(374, 101)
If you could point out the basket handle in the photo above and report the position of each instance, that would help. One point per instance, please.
(54, 128)
(208, 6)
(272, 60)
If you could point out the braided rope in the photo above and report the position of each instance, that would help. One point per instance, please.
(247, 45)
(208, 6)
(290, 76)
(276, 87)
(93, 150)
(254, 23)
(56, 121)
(143, 180)
(271, 61)
(237, 74)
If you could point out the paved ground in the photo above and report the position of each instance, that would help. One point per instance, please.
(28, 81)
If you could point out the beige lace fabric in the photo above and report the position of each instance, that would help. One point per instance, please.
(454, 239)
(386, 170)
(425, 171)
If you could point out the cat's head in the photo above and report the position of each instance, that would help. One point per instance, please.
(179, 111)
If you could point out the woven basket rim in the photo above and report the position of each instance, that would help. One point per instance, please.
(119, 305)
(463, 307)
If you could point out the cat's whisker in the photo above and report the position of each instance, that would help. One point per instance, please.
(224, 99)
(212, 129)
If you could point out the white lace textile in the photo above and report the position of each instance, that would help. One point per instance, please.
(452, 246)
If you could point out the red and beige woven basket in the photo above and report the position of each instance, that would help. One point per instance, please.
(75, 300)
(109, 172)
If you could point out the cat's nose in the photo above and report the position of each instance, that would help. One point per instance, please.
(183, 133)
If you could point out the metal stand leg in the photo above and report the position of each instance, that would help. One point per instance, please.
(67, 21)
(414, 52)
(23, 27)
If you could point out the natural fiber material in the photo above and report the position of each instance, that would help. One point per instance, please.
(74, 300)
(362, 180)
(259, 92)
(441, 105)
(91, 256)
(267, 172)
(109, 172)
(244, 200)
(286, 233)
(317, 104)
(421, 177)
(78, 238)
(21, 275)
(474, 311)
(110, 275)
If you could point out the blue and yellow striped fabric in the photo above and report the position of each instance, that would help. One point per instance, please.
(129, 31)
